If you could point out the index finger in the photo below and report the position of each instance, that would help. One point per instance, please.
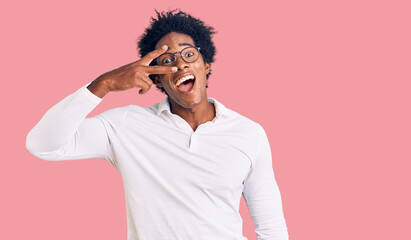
(149, 57)
(160, 69)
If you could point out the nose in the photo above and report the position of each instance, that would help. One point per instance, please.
(180, 63)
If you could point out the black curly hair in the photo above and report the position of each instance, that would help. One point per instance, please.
(180, 22)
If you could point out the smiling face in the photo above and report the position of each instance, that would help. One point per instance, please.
(192, 92)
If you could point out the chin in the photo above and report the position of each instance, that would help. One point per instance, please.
(190, 103)
(191, 100)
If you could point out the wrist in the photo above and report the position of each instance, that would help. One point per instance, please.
(99, 87)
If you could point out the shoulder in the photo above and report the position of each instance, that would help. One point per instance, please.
(240, 121)
(114, 115)
(121, 113)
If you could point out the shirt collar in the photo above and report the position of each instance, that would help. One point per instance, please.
(220, 109)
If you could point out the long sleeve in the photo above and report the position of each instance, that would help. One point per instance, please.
(262, 195)
(65, 133)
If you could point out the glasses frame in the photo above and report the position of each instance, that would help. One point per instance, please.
(181, 55)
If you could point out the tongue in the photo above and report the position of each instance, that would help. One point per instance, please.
(186, 86)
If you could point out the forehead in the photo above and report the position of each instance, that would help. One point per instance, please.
(173, 40)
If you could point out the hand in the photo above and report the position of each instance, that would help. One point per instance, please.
(132, 75)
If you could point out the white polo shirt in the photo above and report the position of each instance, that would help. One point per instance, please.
(179, 184)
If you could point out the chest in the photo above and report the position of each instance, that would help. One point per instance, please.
(210, 161)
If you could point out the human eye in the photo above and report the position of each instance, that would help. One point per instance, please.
(189, 54)
(165, 60)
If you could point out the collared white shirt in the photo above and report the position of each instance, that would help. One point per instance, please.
(179, 184)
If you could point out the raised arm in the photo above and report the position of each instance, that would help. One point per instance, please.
(262, 195)
(65, 133)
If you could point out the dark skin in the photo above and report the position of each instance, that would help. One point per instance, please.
(132, 75)
(193, 107)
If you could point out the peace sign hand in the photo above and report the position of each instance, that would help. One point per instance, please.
(132, 75)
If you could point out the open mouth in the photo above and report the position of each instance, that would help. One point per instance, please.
(185, 84)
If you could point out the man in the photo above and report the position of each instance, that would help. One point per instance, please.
(184, 162)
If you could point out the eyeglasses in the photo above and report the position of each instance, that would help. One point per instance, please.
(188, 54)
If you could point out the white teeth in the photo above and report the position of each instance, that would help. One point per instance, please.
(183, 79)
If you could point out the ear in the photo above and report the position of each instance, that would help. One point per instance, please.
(207, 68)
(157, 81)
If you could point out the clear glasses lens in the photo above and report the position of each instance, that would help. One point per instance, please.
(189, 55)
(166, 59)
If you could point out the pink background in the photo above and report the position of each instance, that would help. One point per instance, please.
(329, 81)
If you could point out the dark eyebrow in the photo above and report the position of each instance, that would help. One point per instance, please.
(183, 44)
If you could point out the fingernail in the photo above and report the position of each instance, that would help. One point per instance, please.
(174, 69)
(164, 47)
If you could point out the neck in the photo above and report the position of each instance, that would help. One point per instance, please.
(195, 116)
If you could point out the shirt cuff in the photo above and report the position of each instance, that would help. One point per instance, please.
(89, 95)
